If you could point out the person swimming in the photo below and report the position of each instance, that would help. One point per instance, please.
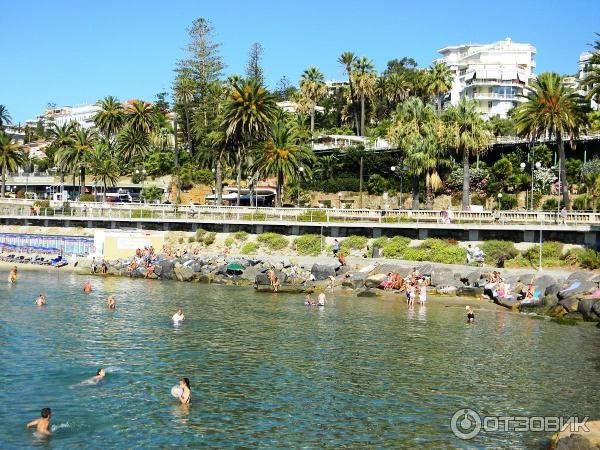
(178, 316)
(470, 314)
(308, 301)
(87, 287)
(12, 276)
(185, 397)
(321, 300)
(43, 423)
(110, 302)
(41, 300)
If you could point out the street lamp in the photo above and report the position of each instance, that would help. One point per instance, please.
(301, 170)
(499, 198)
(393, 169)
(340, 199)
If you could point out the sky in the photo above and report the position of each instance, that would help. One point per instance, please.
(73, 52)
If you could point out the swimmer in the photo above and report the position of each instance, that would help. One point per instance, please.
(12, 276)
(186, 394)
(308, 301)
(100, 374)
(111, 303)
(43, 423)
(41, 300)
(321, 301)
(178, 316)
(87, 287)
(470, 315)
(332, 282)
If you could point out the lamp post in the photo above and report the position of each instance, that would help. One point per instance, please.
(301, 170)
(499, 199)
(393, 169)
(339, 194)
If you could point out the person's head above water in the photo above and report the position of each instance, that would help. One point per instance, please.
(100, 372)
(46, 413)
(185, 382)
(180, 312)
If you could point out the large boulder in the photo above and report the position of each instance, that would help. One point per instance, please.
(569, 439)
(469, 291)
(425, 269)
(386, 268)
(183, 273)
(570, 304)
(577, 289)
(474, 277)
(250, 273)
(355, 280)
(580, 276)
(323, 271)
(550, 300)
(262, 279)
(587, 308)
(441, 276)
(168, 269)
(366, 292)
(509, 303)
(552, 289)
(541, 283)
(373, 281)
(446, 290)
(575, 442)
(557, 311)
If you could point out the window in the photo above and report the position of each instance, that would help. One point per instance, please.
(490, 105)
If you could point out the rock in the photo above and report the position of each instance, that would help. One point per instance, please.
(474, 277)
(167, 271)
(580, 276)
(577, 288)
(442, 276)
(575, 442)
(262, 280)
(446, 290)
(596, 308)
(570, 303)
(153, 276)
(572, 439)
(586, 308)
(323, 271)
(355, 280)
(250, 273)
(509, 303)
(527, 278)
(366, 292)
(377, 252)
(541, 283)
(574, 315)
(550, 301)
(557, 311)
(374, 281)
(286, 263)
(183, 273)
(469, 291)
(425, 269)
(553, 289)
(386, 268)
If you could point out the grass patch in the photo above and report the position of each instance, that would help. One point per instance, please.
(200, 232)
(241, 236)
(435, 250)
(564, 320)
(229, 241)
(313, 216)
(309, 244)
(255, 216)
(495, 249)
(354, 242)
(273, 241)
(249, 248)
(209, 238)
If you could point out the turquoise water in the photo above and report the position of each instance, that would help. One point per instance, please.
(268, 372)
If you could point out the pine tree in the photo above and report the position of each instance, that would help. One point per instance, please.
(254, 70)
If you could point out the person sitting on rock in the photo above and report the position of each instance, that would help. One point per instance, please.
(271, 276)
(149, 270)
(342, 258)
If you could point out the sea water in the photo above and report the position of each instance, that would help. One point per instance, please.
(267, 371)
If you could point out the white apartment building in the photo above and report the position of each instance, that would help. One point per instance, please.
(584, 66)
(83, 115)
(494, 75)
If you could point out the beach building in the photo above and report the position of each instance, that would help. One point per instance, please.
(494, 75)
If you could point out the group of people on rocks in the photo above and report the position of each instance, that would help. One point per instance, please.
(500, 290)
(415, 283)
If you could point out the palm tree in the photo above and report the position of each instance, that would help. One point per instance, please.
(73, 158)
(552, 109)
(11, 158)
(103, 166)
(282, 156)
(62, 139)
(347, 59)
(133, 143)
(440, 82)
(110, 118)
(468, 134)
(327, 167)
(397, 88)
(364, 82)
(592, 79)
(5, 118)
(185, 88)
(312, 85)
(140, 116)
(248, 114)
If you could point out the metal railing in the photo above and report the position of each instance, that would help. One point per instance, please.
(167, 212)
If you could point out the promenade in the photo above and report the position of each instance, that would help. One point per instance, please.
(518, 226)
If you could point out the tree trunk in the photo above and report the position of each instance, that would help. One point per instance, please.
(353, 103)
(104, 192)
(563, 171)
(239, 175)
(81, 180)
(466, 181)
(219, 180)
(3, 179)
(415, 192)
(362, 114)
(429, 191)
(312, 120)
(439, 104)
(279, 189)
(188, 130)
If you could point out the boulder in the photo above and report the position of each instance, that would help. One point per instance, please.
(250, 273)
(575, 442)
(386, 268)
(586, 308)
(577, 288)
(366, 292)
(552, 289)
(474, 277)
(509, 303)
(167, 271)
(557, 311)
(527, 278)
(596, 308)
(446, 290)
(469, 291)
(569, 439)
(425, 269)
(323, 271)
(580, 276)
(541, 283)
(286, 263)
(373, 281)
(442, 276)
(355, 280)
(183, 273)
(570, 303)
(550, 301)
(262, 279)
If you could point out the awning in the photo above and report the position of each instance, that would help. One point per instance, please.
(509, 75)
(522, 77)
(493, 75)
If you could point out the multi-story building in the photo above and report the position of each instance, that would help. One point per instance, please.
(494, 75)
(584, 68)
(83, 115)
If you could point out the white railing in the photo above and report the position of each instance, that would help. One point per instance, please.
(186, 213)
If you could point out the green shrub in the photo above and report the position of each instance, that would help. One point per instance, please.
(309, 244)
(229, 241)
(550, 204)
(273, 241)
(209, 238)
(550, 250)
(240, 235)
(434, 250)
(354, 242)
(589, 259)
(448, 254)
(573, 256)
(415, 254)
(495, 249)
(181, 240)
(249, 248)
(87, 198)
(200, 232)
(395, 247)
(376, 185)
(582, 203)
(191, 239)
(508, 201)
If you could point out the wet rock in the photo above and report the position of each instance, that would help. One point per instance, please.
(574, 315)
(183, 273)
(262, 279)
(446, 290)
(355, 280)
(469, 291)
(570, 303)
(323, 271)
(557, 311)
(373, 281)
(586, 308)
(366, 292)
(509, 303)
(441, 276)
(250, 273)
(167, 272)
(577, 288)
(550, 301)
(553, 289)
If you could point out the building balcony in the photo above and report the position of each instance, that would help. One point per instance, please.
(492, 96)
(479, 82)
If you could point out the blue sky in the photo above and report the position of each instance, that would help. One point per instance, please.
(73, 52)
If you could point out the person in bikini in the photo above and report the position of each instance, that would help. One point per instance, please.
(41, 300)
(42, 424)
(111, 302)
(186, 393)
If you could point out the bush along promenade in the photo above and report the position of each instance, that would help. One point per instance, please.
(272, 262)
